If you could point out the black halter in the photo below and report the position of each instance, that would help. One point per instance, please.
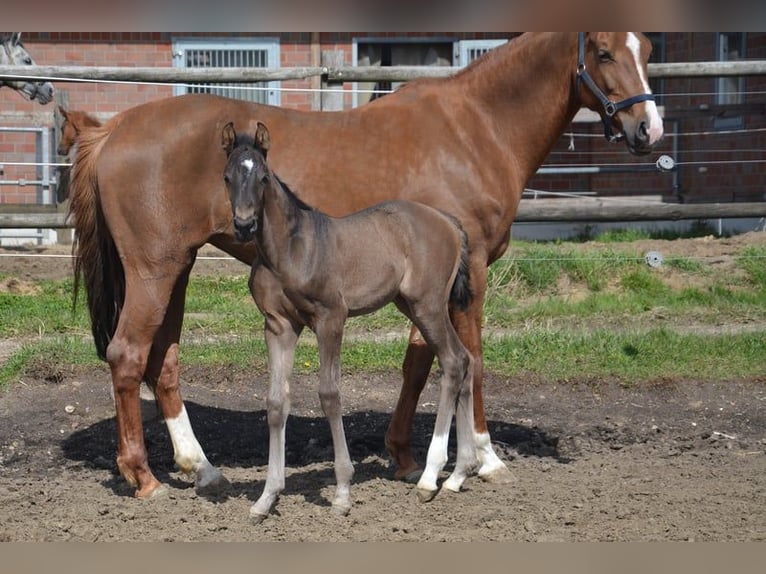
(610, 107)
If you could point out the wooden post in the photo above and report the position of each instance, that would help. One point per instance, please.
(64, 236)
(332, 101)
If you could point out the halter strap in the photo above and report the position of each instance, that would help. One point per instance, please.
(610, 107)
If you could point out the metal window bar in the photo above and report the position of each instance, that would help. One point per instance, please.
(229, 58)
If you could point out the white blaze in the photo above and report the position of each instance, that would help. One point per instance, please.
(655, 121)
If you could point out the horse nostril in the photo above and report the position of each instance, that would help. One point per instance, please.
(643, 131)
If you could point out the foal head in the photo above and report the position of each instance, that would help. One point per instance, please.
(612, 77)
(13, 53)
(246, 176)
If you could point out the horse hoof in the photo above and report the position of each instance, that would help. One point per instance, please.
(256, 517)
(158, 492)
(411, 476)
(426, 495)
(341, 508)
(498, 475)
(213, 485)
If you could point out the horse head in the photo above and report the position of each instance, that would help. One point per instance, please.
(613, 67)
(246, 176)
(13, 53)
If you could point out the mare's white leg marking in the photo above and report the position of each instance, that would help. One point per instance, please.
(489, 461)
(655, 121)
(188, 453)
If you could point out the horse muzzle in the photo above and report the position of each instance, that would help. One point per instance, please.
(244, 229)
(41, 92)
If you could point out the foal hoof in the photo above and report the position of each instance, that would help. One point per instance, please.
(256, 517)
(341, 508)
(498, 475)
(426, 495)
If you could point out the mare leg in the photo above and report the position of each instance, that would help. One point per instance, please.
(468, 326)
(417, 365)
(142, 315)
(281, 338)
(163, 376)
(329, 337)
(455, 393)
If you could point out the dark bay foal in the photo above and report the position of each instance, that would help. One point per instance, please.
(315, 270)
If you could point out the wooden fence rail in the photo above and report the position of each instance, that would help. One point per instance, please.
(530, 211)
(330, 74)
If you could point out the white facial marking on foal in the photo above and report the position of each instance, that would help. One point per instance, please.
(248, 165)
(655, 121)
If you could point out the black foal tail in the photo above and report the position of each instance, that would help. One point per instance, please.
(461, 294)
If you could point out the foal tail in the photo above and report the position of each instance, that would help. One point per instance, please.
(461, 294)
(96, 259)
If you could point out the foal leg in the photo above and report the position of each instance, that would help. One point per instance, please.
(329, 337)
(281, 338)
(468, 326)
(456, 364)
(163, 376)
(417, 365)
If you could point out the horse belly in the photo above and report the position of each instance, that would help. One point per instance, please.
(370, 285)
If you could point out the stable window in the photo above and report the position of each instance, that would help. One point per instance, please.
(396, 52)
(657, 85)
(730, 46)
(412, 52)
(469, 50)
(229, 53)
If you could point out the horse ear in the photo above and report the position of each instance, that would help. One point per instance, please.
(262, 138)
(227, 137)
(15, 38)
(63, 112)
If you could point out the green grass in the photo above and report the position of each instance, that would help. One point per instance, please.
(552, 309)
(552, 355)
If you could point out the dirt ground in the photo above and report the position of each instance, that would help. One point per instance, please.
(592, 460)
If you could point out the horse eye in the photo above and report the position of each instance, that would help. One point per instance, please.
(604, 56)
(226, 179)
(28, 61)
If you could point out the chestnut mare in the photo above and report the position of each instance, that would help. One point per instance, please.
(146, 193)
(13, 53)
(316, 271)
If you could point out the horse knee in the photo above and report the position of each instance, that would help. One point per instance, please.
(330, 401)
(127, 362)
(276, 410)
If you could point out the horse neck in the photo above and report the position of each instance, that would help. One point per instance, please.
(528, 88)
(281, 218)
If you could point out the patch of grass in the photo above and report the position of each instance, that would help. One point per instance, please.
(753, 261)
(629, 357)
(548, 354)
(47, 310)
(561, 300)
